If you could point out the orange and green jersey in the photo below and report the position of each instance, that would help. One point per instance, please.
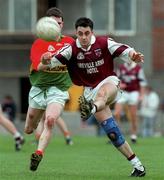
(57, 76)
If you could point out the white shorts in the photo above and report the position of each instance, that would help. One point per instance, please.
(130, 98)
(39, 99)
(90, 93)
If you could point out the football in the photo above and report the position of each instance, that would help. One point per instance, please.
(48, 29)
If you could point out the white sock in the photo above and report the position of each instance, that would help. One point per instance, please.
(136, 163)
(93, 111)
(17, 134)
(133, 136)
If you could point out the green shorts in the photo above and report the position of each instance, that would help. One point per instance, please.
(39, 98)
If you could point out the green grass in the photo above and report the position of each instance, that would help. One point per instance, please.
(90, 158)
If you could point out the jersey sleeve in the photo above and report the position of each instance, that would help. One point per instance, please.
(62, 57)
(119, 50)
(142, 78)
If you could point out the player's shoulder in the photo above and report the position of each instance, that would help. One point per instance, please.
(102, 38)
(39, 42)
(67, 39)
(102, 41)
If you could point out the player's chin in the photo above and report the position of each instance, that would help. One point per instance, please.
(84, 44)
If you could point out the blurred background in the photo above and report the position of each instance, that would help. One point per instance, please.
(137, 23)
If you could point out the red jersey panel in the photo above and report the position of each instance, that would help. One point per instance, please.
(40, 46)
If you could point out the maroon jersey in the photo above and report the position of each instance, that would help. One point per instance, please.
(133, 77)
(90, 67)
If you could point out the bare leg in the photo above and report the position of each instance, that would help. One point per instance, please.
(134, 122)
(117, 112)
(10, 127)
(64, 129)
(51, 117)
(61, 124)
(126, 150)
(39, 128)
(104, 116)
(32, 119)
(105, 95)
(7, 124)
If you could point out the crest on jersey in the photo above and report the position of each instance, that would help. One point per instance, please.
(80, 56)
(98, 52)
(51, 48)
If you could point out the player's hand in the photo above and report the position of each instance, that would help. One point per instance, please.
(137, 57)
(46, 57)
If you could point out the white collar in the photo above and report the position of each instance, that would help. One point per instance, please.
(93, 39)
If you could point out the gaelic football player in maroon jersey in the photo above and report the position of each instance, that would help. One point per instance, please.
(90, 63)
(133, 83)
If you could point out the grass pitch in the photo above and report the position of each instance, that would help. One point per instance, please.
(90, 158)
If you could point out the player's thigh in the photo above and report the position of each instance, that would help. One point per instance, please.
(107, 92)
(133, 110)
(55, 102)
(108, 88)
(111, 91)
(54, 110)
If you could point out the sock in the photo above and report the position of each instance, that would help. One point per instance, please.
(16, 135)
(133, 136)
(94, 109)
(67, 134)
(136, 163)
(39, 152)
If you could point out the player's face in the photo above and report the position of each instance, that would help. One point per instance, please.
(59, 21)
(84, 35)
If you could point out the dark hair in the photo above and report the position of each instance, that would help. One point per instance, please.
(84, 22)
(54, 11)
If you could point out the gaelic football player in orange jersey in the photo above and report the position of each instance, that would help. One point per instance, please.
(48, 93)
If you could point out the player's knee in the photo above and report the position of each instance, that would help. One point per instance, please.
(112, 136)
(50, 122)
(28, 130)
(116, 138)
(113, 132)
